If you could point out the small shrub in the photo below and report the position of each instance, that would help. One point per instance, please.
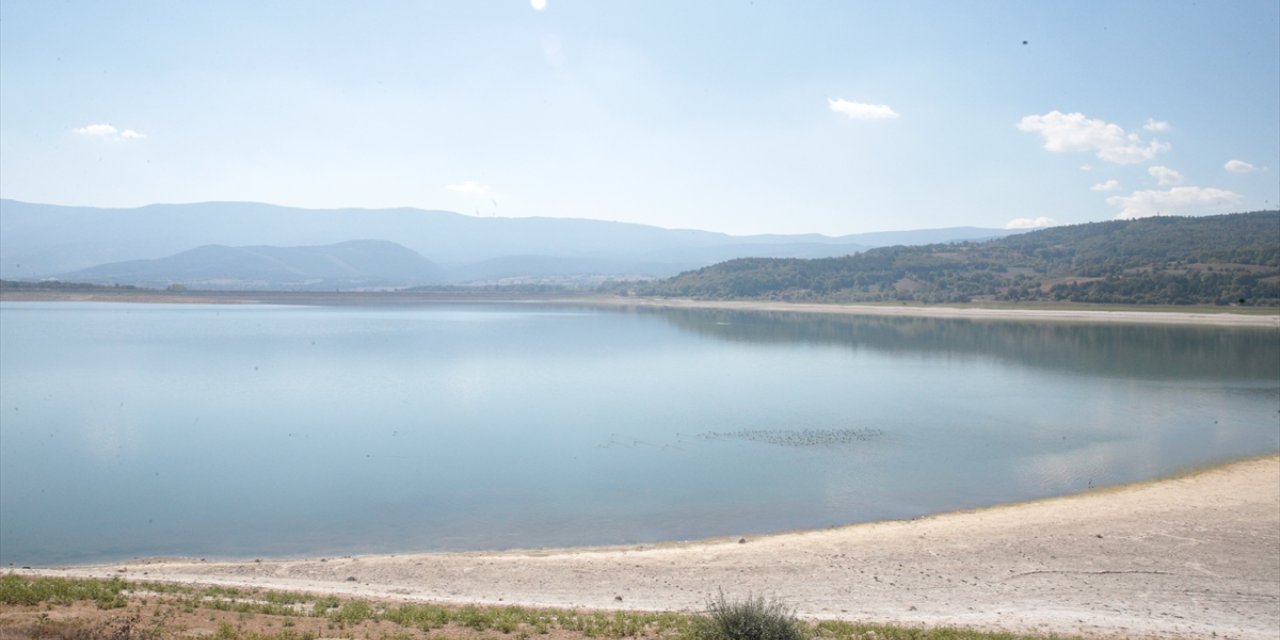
(226, 632)
(352, 612)
(755, 618)
(474, 618)
(507, 619)
(323, 604)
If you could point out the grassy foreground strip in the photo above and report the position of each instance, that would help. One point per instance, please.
(92, 609)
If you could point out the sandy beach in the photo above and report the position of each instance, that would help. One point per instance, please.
(1191, 556)
(1139, 316)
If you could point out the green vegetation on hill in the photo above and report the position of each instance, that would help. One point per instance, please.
(71, 287)
(1226, 259)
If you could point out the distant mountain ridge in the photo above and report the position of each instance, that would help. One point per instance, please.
(355, 264)
(42, 241)
(1225, 259)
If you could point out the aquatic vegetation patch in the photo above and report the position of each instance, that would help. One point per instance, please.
(819, 438)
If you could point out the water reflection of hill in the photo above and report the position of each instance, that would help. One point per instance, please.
(1146, 351)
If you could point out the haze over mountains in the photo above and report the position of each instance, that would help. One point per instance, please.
(237, 245)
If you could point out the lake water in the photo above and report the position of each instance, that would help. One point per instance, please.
(245, 431)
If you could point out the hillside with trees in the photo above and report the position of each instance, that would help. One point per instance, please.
(1225, 259)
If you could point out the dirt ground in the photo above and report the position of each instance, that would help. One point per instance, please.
(155, 617)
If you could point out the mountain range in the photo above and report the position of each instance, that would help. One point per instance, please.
(355, 264)
(243, 245)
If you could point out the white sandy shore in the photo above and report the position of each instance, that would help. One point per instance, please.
(1192, 556)
(976, 313)
(1083, 314)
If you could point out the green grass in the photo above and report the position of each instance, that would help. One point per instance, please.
(418, 616)
(352, 612)
(17, 590)
(836, 630)
(754, 618)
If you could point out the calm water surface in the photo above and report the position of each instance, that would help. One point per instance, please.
(241, 431)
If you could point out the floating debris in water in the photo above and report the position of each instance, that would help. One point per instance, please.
(797, 437)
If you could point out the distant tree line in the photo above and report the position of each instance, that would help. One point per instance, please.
(54, 285)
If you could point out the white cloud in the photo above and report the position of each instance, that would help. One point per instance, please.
(1178, 200)
(469, 186)
(1065, 132)
(1110, 185)
(1165, 176)
(99, 130)
(861, 111)
(1156, 126)
(107, 132)
(1031, 223)
(538, 5)
(1238, 166)
(1086, 167)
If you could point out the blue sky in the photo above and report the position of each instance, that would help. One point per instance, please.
(743, 117)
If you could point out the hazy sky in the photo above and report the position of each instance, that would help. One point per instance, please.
(744, 117)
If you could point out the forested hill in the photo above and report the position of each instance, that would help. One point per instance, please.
(1223, 259)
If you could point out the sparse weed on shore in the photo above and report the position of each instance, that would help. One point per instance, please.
(753, 618)
(839, 630)
(259, 614)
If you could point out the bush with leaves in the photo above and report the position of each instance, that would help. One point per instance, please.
(754, 618)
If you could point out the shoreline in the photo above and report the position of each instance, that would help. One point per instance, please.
(1141, 316)
(1186, 556)
(1264, 318)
